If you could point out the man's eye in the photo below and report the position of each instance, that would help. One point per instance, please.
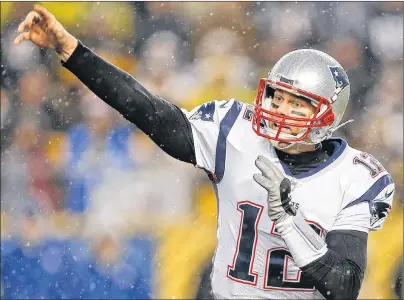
(296, 104)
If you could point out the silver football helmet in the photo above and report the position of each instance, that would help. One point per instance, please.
(313, 75)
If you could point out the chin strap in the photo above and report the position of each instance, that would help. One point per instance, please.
(326, 136)
(276, 144)
(340, 125)
(331, 131)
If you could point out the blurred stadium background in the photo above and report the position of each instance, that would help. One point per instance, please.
(91, 208)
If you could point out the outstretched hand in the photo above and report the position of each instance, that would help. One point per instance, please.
(46, 32)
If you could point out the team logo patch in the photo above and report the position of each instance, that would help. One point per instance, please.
(379, 211)
(249, 113)
(205, 112)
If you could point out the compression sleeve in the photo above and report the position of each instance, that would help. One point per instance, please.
(339, 273)
(161, 120)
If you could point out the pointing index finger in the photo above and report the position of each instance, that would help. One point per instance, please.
(43, 11)
(32, 18)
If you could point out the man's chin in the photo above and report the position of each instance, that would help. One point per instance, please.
(283, 145)
(280, 145)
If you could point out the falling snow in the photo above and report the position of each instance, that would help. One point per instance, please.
(92, 207)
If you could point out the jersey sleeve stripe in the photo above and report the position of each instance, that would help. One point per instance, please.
(373, 191)
(225, 126)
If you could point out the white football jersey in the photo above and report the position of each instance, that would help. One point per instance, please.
(350, 191)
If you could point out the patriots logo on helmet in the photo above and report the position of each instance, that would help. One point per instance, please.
(379, 211)
(340, 78)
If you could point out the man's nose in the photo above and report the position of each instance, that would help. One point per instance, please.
(282, 109)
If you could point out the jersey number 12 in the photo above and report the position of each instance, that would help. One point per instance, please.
(277, 260)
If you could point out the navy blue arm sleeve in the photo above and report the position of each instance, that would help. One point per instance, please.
(339, 273)
(161, 120)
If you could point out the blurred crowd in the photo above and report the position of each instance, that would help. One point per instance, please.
(72, 166)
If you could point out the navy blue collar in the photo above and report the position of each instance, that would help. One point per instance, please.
(335, 146)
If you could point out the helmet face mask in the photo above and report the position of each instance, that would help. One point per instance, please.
(313, 76)
(322, 116)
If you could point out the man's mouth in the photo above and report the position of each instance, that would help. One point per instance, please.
(284, 127)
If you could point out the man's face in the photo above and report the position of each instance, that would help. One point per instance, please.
(287, 104)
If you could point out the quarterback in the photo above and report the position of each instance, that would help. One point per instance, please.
(295, 206)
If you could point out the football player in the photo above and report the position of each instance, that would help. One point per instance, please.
(295, 206)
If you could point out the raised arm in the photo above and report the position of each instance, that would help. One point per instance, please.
(161, 120)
